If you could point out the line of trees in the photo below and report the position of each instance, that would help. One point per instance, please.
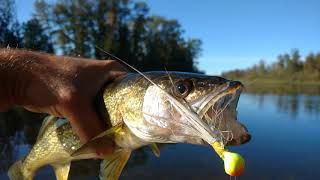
(287, 68)
(121, 27)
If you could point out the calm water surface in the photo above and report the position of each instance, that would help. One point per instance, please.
(285, 144)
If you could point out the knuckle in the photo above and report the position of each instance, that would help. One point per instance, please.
(69, 97)
(111, 62)
(114, 65)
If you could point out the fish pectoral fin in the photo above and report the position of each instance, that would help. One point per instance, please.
(110, 132)
(112, 166)
(155, 149)
(61, 170)
(104, 139)
(88, 150)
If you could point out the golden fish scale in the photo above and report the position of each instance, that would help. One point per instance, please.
(54, 145)
(126, 97)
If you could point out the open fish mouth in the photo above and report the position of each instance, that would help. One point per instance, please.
(218, 111)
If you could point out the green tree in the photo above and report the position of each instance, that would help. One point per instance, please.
(35, 38)
(293, 62)
(288, 68)
(139, 32)
(73, 21)
(9, 27)
(111, 32)
(166, 47)
(279, 67)
(121, 27)
(261, 68)
(317, 62)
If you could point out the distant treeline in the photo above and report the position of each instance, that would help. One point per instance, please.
(289, 68)
(122, 27)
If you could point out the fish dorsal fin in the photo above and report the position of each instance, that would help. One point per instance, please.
(112, 166)
(87, 149)
(155, 149)
(47, 121)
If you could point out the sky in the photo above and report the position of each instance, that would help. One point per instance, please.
(237, 33)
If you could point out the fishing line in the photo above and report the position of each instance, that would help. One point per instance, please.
(170, 78)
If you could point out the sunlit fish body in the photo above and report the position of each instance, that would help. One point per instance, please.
(141, 114)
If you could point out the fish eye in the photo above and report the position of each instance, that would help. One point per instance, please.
(182, 88)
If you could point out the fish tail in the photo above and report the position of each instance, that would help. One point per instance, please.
(18, 172)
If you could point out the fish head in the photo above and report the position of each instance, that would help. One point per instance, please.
(214, 99)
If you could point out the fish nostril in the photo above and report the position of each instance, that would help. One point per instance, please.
(240, 140)
(245, 138)
(235, 84)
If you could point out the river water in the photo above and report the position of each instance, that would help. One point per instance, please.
(285, 144)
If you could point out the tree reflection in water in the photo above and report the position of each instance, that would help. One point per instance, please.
(288, 98)
(18, 129)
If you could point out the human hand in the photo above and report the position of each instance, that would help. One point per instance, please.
(59, 85)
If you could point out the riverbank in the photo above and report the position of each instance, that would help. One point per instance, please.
(264, 81)
(280, 87)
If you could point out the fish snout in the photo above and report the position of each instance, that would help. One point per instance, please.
(235, 85)
(240, 140)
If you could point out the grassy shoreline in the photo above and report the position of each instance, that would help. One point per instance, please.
(260, 81)
(281, 87)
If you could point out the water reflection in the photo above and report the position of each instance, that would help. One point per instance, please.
(290, 104)
(19, 128)
(282, 89)
(287, 98)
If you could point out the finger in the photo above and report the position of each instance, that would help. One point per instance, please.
(52, 110)
(96, 74)
(83, 118)
(113, 69)
(85, 122)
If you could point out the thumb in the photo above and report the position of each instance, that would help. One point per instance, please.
(85, 122)
(113, 69)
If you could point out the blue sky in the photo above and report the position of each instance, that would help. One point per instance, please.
(237, 33)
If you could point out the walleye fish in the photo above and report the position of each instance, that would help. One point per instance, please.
(143, 109)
